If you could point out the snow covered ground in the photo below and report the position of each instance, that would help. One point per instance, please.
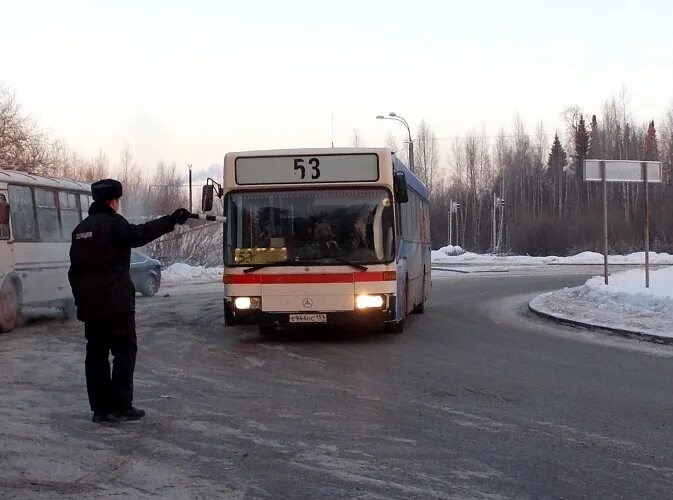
(624, 304)
(184, 274)
(454, 255)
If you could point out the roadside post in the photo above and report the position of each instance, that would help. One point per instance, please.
(190, 187)
(453, 209)
(622, 171)
(498, 203)
(493, 222)
(647, 225)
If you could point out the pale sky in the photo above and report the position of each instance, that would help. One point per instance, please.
(189, 81)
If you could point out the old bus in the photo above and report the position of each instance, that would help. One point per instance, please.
(37, 216)
(323, 236)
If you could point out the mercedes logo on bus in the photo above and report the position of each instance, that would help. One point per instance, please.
(308, 303)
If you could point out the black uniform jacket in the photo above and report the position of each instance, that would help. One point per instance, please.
(100, 260)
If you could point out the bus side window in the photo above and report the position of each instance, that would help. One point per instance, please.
(84, 205)
(4, 218)
(23, 213)
(67, 203)
(47, 215)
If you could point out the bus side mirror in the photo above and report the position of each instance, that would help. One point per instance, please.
(400, 187)
(207, 195)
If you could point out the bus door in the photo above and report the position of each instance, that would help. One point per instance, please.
(6, 256)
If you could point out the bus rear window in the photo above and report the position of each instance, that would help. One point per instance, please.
(4, 218)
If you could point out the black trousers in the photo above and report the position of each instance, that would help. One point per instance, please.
(105, 335)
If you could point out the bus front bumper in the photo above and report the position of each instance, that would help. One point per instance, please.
(374, 317)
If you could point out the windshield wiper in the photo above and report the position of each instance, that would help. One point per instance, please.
(341, 260)
(256, 267)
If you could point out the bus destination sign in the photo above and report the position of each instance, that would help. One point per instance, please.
(311, 169)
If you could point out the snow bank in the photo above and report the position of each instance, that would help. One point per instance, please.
(451, 250)
(584, 258)
(628, 287)
(183, 274)
(624, 304)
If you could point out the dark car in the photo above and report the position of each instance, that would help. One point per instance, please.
(145, 273)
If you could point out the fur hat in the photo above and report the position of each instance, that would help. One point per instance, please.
(106, 190)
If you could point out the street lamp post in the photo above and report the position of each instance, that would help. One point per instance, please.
(394, 116)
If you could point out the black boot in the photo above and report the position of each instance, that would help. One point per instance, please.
(99, 417)
(127, 414)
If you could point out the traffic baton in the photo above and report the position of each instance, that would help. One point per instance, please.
(210, 218)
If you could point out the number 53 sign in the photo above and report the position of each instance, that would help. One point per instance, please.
(307, 169)
(314, 164)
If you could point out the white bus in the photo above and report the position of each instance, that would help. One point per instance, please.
(315, 236)
(37, 216)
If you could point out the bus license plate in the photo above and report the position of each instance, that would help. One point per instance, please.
(308, 318)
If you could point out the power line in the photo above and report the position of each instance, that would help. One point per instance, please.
(512, 136)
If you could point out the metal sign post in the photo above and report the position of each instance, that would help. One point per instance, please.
(647, 226)
(605, 221)
(605, 171)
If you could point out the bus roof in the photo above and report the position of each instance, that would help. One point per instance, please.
(16, 177)
(307, 151)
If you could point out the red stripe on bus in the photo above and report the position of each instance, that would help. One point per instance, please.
(287, 279)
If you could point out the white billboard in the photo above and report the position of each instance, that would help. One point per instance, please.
(622, 171)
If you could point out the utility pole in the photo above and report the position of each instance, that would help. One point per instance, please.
(493, 223)
(412, 163)
(450, 222)
(190, 187)
(453, 209)
(394, 116)
(501, 231)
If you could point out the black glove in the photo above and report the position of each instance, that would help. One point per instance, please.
(180, 216)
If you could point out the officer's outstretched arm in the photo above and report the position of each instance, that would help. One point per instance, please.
(138, 235)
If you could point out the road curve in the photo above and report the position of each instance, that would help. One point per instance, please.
(474, 400)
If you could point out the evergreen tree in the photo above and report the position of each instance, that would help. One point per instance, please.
(651, 148)
(581, 151)
(634, 149)
(557, 161)
(668, 163)
(581, 144)
(594, 140)
(627, 143)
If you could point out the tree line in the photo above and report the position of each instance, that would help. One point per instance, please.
(547, 207)
(542, 204)
(24, 146)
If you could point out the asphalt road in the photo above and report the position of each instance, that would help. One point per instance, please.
(474, 400)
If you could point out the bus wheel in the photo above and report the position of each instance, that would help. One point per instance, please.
(150, 286)
(69, 310)
(10, 310)
(394, 326)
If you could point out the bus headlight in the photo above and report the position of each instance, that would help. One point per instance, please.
(242, 303)
(369, 301)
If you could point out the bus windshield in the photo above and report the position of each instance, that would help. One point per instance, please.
(310, 226)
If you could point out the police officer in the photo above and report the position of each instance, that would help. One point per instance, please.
(99, 275)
